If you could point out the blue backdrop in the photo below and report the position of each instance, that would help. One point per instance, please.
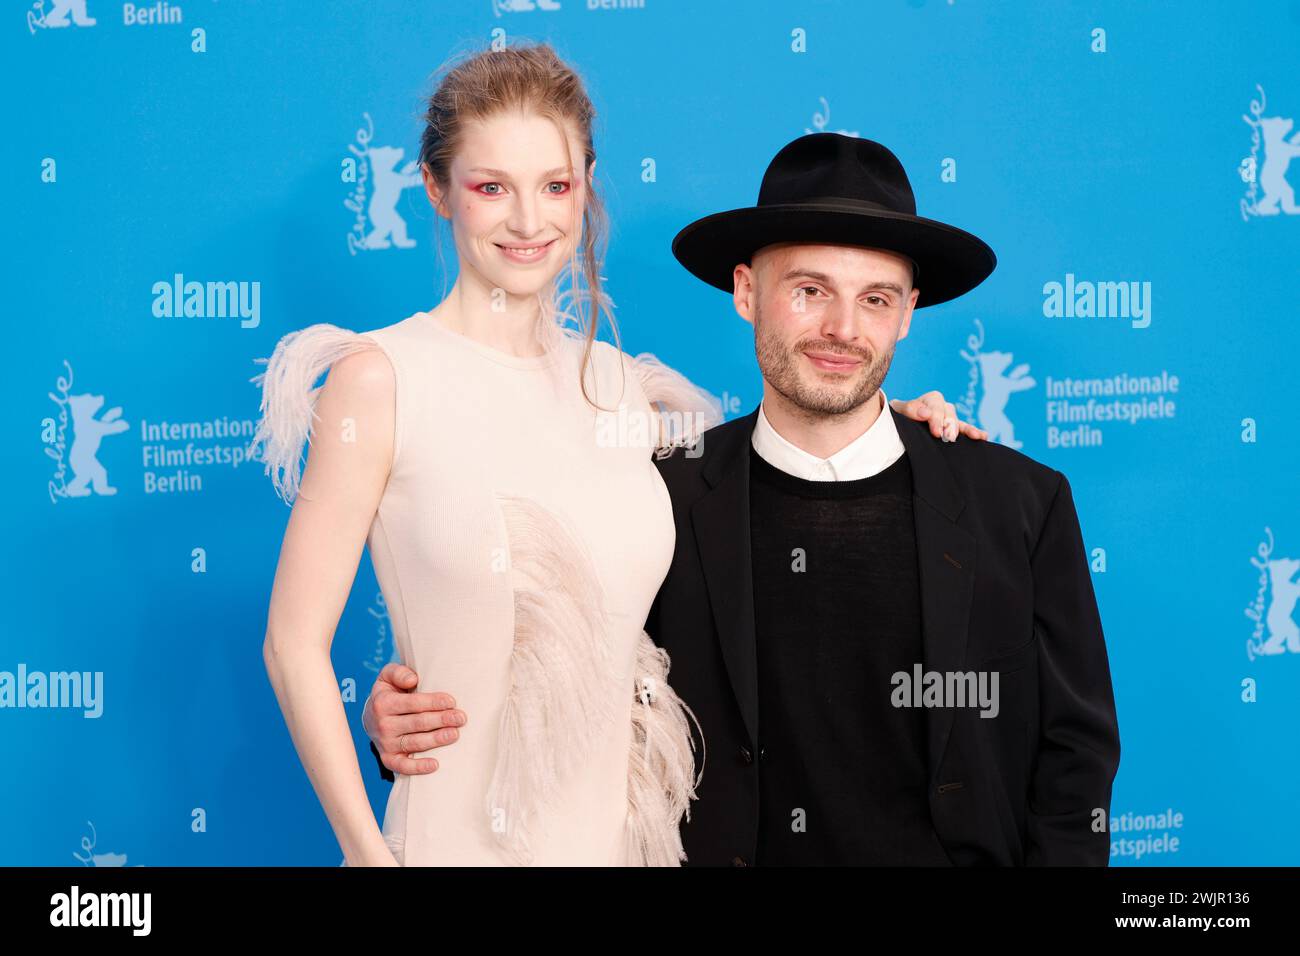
(1129, 163)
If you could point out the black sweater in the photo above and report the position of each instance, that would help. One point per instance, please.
(842, 773)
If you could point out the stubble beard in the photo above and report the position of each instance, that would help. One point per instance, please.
(817, 399)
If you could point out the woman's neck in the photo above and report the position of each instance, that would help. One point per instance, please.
(505, 322)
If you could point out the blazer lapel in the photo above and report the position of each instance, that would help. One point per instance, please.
(721, 522)
(945, 556)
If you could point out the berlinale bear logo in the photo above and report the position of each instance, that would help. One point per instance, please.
(1275, 631)
(377, 184)
(88, 429)
(990, 387)
(1270, 175)
(57, 15)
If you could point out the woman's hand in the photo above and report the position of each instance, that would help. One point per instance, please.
(942, 416)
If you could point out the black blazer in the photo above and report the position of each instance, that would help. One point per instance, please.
(1005, 586)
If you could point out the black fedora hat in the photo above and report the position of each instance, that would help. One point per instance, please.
(831, 189)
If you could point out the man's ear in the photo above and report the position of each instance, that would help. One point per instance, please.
(907, 314)
(743, 291)
(432, 190)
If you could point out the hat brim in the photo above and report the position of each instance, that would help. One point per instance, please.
(951, 260)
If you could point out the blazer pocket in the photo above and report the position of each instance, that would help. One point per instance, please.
(1008, 662)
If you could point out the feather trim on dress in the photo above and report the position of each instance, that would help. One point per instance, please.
(561, 699)
(564, 698)
(686, 411)
(661, 763)
(289, 398)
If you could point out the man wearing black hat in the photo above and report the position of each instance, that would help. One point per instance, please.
(891, 644)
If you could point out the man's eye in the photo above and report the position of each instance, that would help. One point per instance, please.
(804, 290)
(878, 299)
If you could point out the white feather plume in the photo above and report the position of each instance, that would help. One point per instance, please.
(289, 396)
(660, 765)
(565, 695)
(686, 411)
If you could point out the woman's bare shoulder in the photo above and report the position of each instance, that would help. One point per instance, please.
(360, 382)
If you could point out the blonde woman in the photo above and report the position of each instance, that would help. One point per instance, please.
(518, 546)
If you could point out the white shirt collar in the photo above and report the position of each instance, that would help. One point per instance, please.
(871, 452)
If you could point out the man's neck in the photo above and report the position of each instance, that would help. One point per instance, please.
(820, 435)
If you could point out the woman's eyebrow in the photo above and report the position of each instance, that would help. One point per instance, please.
(559, 170)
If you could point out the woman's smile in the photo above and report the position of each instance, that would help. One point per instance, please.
(524, 255)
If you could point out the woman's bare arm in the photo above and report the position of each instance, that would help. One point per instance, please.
(346, 473)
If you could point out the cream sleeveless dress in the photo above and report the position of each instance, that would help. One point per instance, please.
(519, 544)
